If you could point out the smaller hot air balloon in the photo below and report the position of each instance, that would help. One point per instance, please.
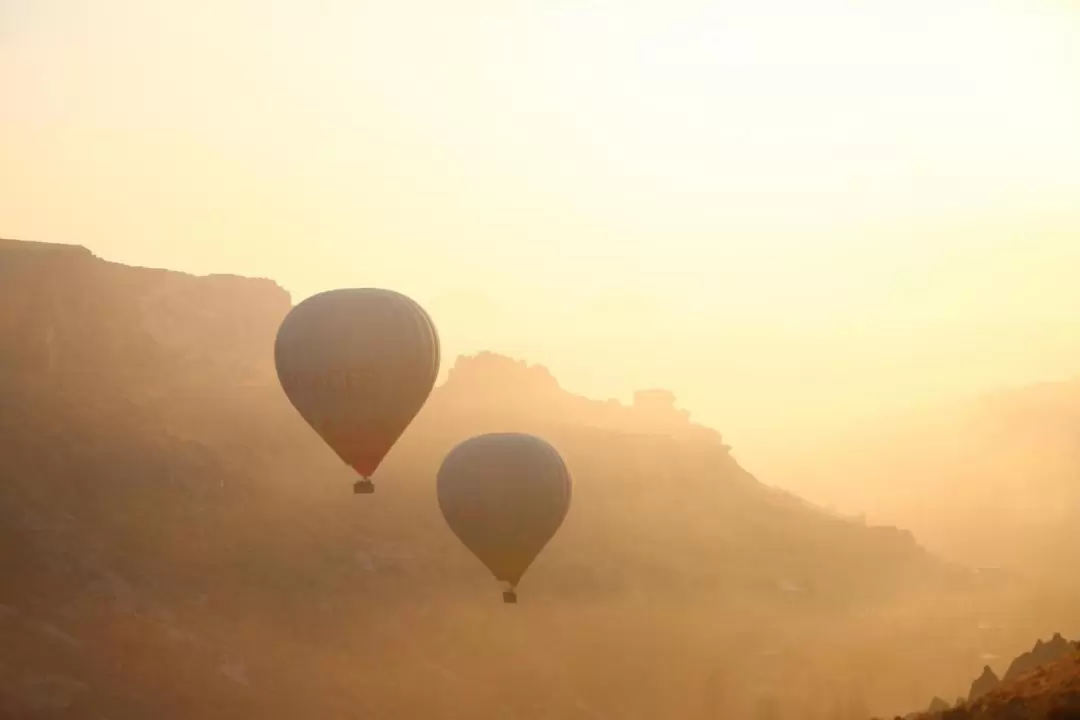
(358, 364)
(504, 495)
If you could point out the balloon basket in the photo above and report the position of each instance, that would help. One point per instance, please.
(510, 597)
(363, 487)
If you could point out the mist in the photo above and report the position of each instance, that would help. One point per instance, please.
(790, 286)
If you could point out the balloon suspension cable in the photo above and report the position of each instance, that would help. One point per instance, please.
(509, 593)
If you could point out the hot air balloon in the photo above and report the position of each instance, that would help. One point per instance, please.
(358, 364)
(504, 495)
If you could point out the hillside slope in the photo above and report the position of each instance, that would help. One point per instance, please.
(175, 542)
(989, 482)
(1050, 691)
(1036, 684)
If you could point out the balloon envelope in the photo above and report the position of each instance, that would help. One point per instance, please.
(358, 364)
(504, 495)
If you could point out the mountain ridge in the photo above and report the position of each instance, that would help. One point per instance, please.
(184, 540)
(1042, 684)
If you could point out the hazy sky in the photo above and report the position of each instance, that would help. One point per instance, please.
(790, 212)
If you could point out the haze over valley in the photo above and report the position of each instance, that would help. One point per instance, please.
(521, 359)
(176, 540)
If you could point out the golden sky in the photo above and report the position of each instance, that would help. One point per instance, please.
(790, 212)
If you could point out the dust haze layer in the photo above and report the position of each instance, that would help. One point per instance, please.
(790, 213)
(176, 542)
(988, 481)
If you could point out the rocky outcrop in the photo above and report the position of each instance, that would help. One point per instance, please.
(983, 684)
(65, 312)
(938, 705)
(1041, 654)
(489, 383)
(1048, 692)
(1041, 684)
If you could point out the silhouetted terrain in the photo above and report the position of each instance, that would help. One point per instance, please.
(992, 482)
(1041, 685)
(1037, 684)
(175, 542)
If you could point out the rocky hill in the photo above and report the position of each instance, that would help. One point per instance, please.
(66, 313)
(176, 543)
(1043, 684)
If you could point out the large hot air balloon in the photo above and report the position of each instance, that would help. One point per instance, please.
(358, 364)
(504, 495)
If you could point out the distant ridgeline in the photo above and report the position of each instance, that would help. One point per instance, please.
(491, 383)
(176, 542)
(1025, 687)
(65, 311)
